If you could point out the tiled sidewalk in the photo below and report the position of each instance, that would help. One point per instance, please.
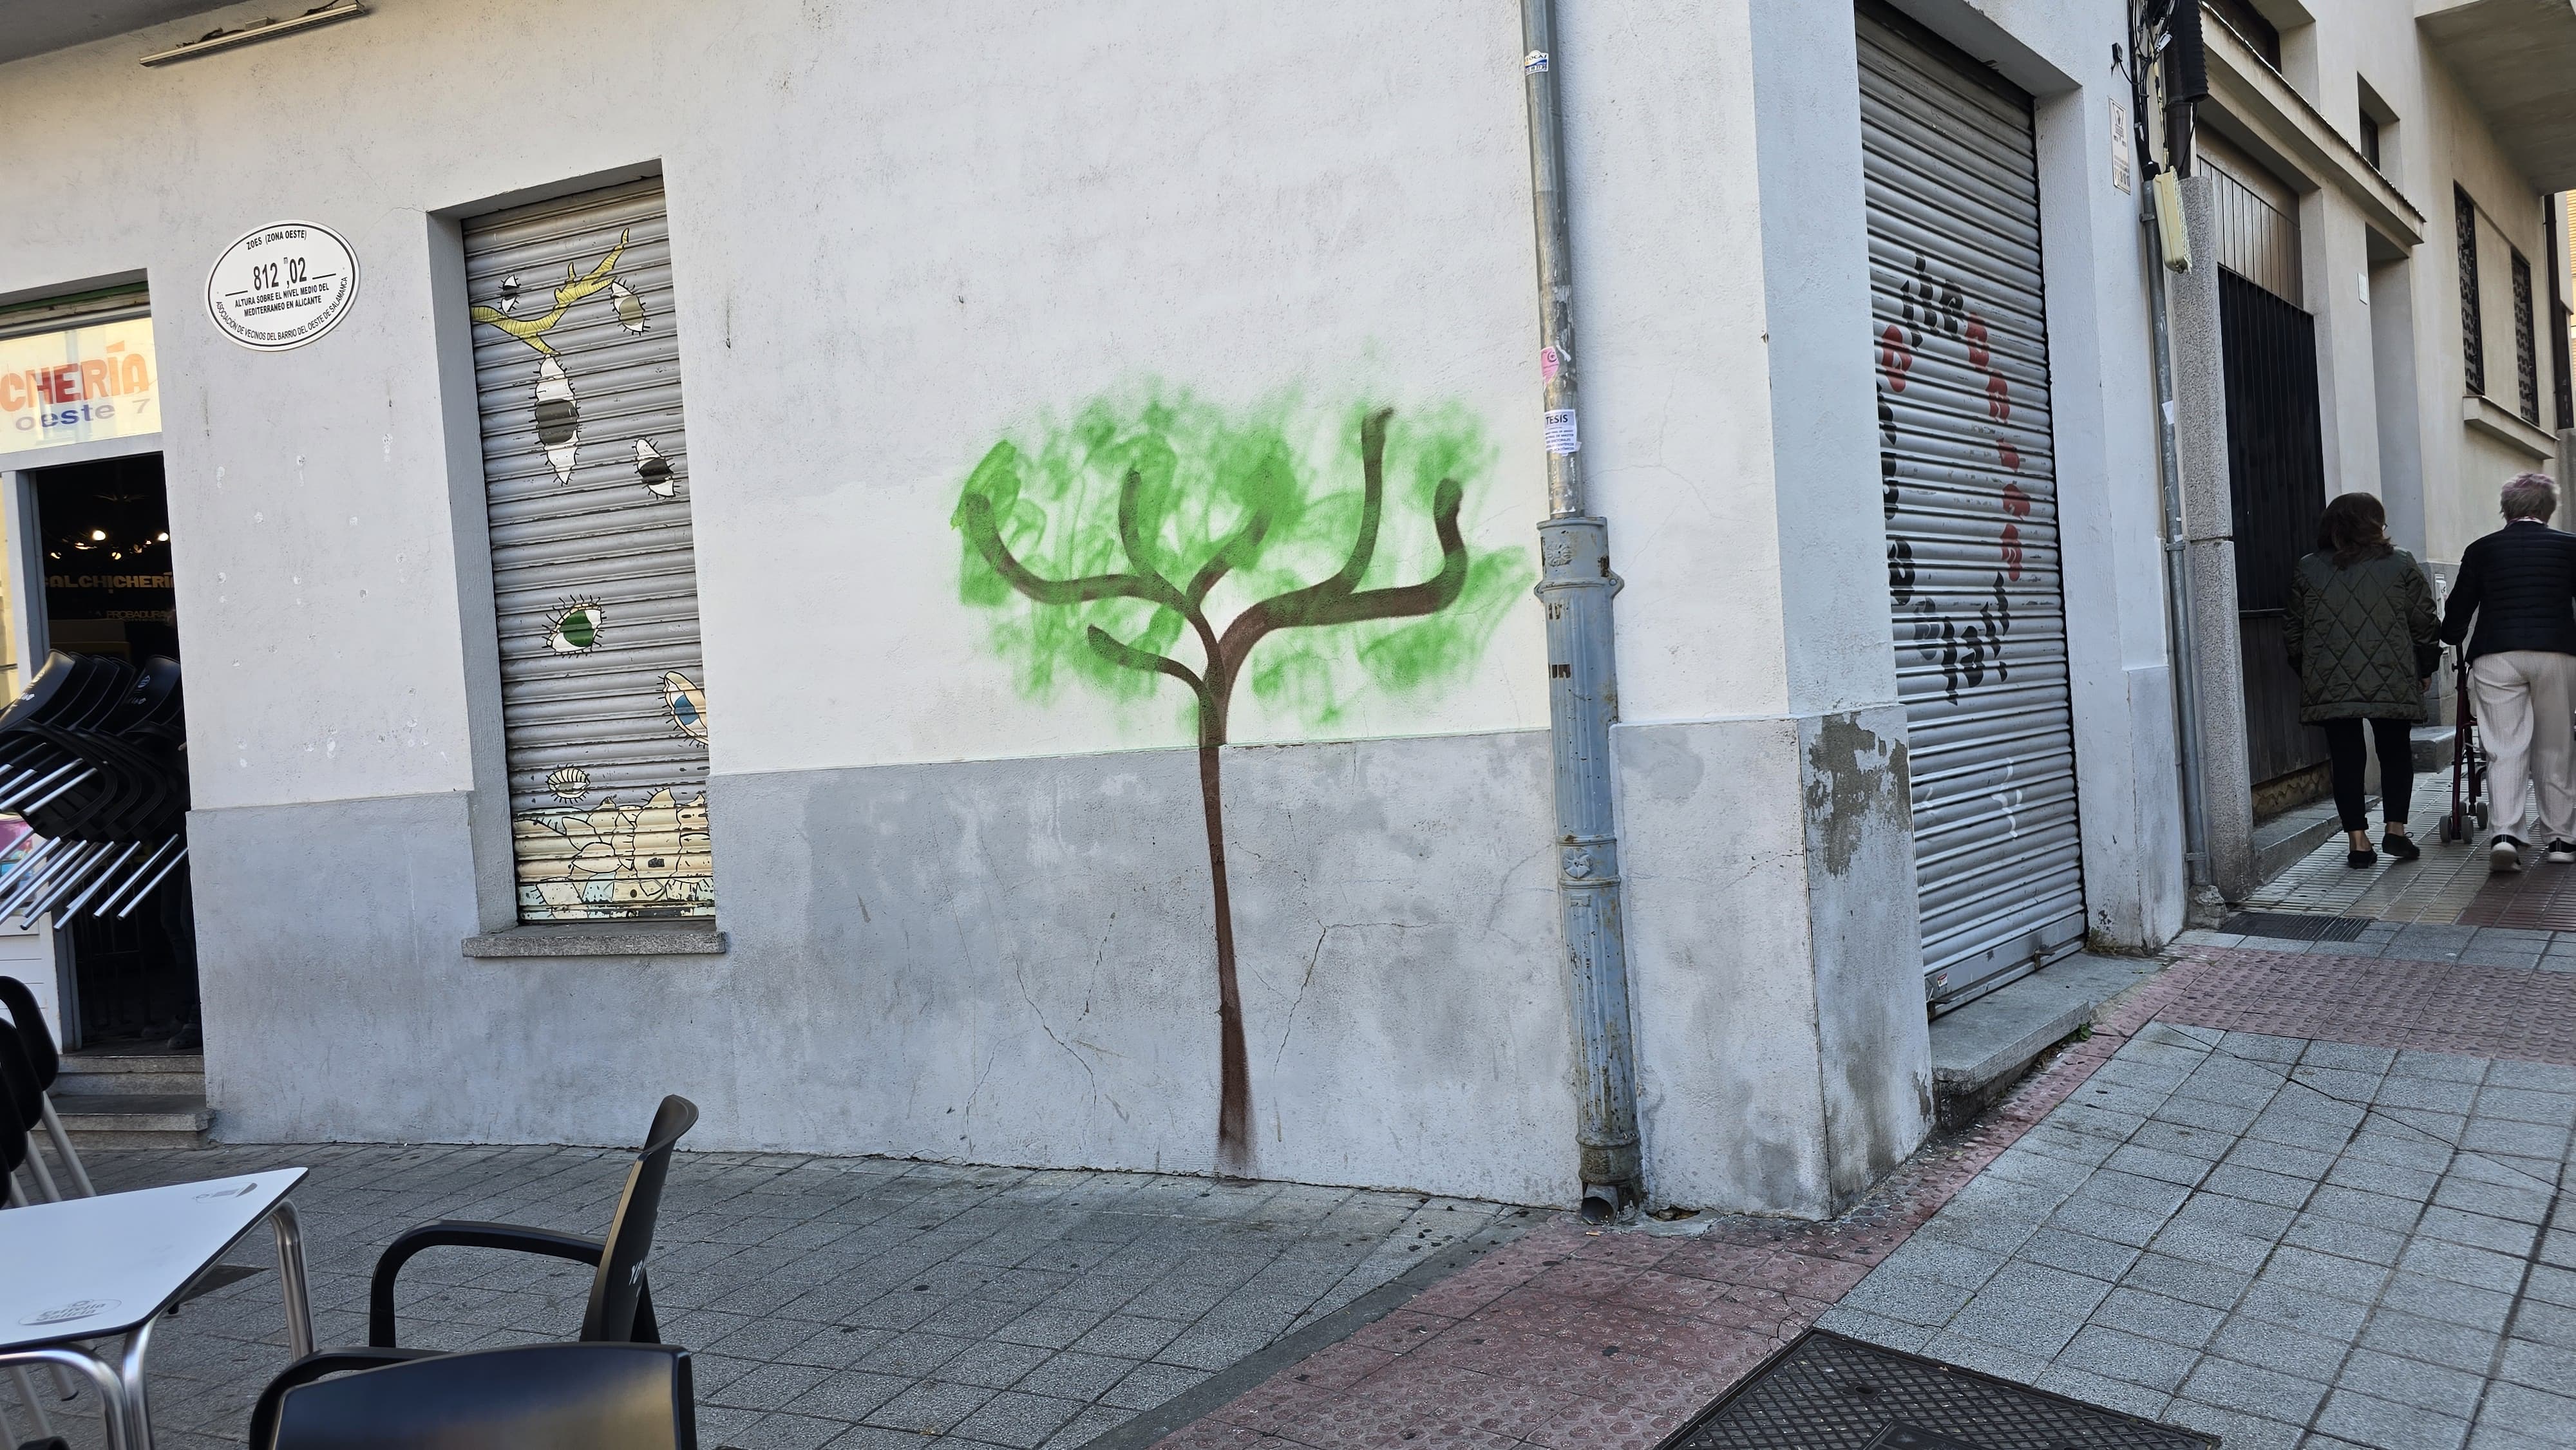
(2471, 946)
(859, 1303)
(2435, 889)
(2284, 1241)
(2449, 886)
(2304, 1197)
(2291, 1240)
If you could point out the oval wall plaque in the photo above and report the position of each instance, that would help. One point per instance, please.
(282, 285)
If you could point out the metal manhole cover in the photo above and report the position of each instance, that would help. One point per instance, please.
(2291, 926)
(1825, 1392)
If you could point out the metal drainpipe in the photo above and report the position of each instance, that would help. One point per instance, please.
(2181, 612)
(1575, 584)
(2179, 609)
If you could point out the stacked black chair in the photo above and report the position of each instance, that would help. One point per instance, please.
(538, 1396)
(94, 757)
(621, 1300)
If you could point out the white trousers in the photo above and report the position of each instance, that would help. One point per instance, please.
(2525, 700)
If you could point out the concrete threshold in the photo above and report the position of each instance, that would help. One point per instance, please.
(1982, 1049)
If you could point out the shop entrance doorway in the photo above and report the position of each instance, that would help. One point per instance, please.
(103, 532)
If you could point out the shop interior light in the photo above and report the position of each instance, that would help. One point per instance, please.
(98, 536)
(162, 537)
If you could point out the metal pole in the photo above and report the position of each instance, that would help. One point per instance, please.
(2178, 602)
(64, 886)
(73, 908)
(291, 1285)
(1575, 585)
(19, 877)
(48, 797)
(63, 1148)
(25, 889)
(100, 906)
(139, 897)
(2148, 94)
(17, 790)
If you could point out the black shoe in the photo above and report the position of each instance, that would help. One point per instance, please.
(2562, 852)
(2400, 848)
(2361, 858)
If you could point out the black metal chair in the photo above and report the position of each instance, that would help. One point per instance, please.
(532, 1397)
(21, 1113)
(621, 1299)
(13, 1151)
(46, 1061)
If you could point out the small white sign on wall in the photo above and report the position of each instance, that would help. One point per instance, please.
(2120, 147)
(282, 285)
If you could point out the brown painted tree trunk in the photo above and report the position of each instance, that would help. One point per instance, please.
(1234, 1067)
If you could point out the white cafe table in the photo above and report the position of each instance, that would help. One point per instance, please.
(91, 1269)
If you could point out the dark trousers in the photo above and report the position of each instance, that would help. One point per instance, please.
(2396, 769)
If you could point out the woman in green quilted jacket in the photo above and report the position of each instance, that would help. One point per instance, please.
(2365, 641)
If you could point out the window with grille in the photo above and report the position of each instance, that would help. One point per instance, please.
(2526, 341)
(2473, 333)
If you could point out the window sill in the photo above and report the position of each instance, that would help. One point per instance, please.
(600, 939)
(2482, 415)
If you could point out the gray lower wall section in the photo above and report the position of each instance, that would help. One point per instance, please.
(1872, 1039)
(1769, 861)
(1002, 962)
(1012, 962)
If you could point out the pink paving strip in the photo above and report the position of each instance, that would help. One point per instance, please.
(1580, 1340)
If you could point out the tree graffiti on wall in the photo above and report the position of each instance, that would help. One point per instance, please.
(1108, 549)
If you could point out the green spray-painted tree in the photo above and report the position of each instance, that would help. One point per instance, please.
(1107, 546)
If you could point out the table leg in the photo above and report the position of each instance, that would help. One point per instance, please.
(290, 1279)
(138, 1412)
(63, 1148)
(111, 1397)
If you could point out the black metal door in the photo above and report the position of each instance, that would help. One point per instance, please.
(2276, 473)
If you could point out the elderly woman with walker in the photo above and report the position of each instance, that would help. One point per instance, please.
(2518, 586)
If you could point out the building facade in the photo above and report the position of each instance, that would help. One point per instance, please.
(958, 583)
(2385, 175)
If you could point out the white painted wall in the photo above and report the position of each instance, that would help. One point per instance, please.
(882, 267)
(902, 234)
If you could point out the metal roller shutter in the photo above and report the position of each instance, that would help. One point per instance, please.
(1971, 501)
(594, 578)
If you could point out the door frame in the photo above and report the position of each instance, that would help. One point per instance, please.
(24, 570)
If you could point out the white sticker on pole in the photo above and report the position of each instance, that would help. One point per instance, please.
(282, 285)
(1561, 436)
